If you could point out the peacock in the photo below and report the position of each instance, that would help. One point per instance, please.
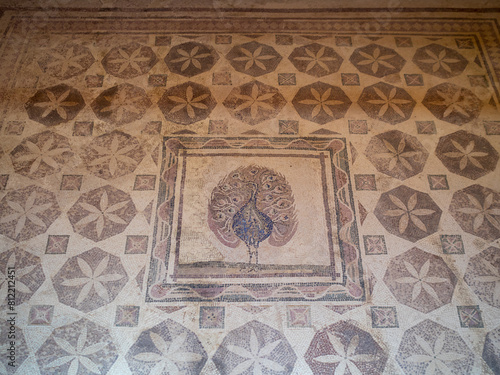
(252, 204)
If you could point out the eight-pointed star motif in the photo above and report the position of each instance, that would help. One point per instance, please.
(27, 212)
(78, 355)
(345, 357)
(254, 58)
(129, 61)
(113, 155)
(41, 154)
(55, 105)
(321, 102)
(377, 60)
(121, 104)
(467, 154)
(316, 60)
(452, 103)
(187, 103)
(254, 102)
(421, 280)
(387, 103)
(191, 58)
(102, 213)
(440, 61)
(477, 210)
(66, 60)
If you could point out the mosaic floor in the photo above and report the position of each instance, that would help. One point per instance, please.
(275, 193)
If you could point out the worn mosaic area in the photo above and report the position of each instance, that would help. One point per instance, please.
(254, 194)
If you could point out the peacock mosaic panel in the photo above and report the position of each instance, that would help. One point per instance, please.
(242, 211)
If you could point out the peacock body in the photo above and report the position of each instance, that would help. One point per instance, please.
(252, 204)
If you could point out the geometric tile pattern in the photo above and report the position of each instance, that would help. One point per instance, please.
(101, 116)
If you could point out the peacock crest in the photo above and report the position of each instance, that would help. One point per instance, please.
(252, 204)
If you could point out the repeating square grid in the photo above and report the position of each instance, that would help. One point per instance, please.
(221, 78)
(288, 126)
(217, 127)
(14, 128)
(374, 245)
(152, 127)
(4, 178)
(343, 41)
(157, 80)
(41, 315)
(402, 41)
(452, 244)
(298, 316)
(83, 128)
(470, 317)
(163, 40)
(284, 40)
(136, 245)
(478, 81)
(350, 79)
(414, 79)
(71, 182)
(365, 182)
(426, 127)
(384, 317)
(145, 182)
(127, 316)
(358, 127)
(438, 182)
(94, 81)
(287, 79)
(223, 39)
(212, 317)
(57, 244)
(492, 127)
(465, 43)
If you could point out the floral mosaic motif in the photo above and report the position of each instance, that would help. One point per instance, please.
(90, 280)
(491, 350)
(431, 348)
(191, 58)
(467, 154)
(112, 155)
(129, 61)
(397, 154)
(384, 317)
(28, 212)
(439, 61)
(254, 58)
(212, 317)
(386, 103)
(343, 348)
(377, 61)
(255, 348)
(41, 154)
(28, 276)
(66, 60)
(102, 213)
(81, 347)
(408, 213)
(187, 103)
(55, 105)
(483, 276)
(321, 103)
(21, 349)
(477, 210)
(451, 103)
(41, 315)
(316, 60)
(167, 348)
(420, 280)
(254, 102)
(121, 104)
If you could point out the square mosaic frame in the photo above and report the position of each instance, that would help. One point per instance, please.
(344, 274)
